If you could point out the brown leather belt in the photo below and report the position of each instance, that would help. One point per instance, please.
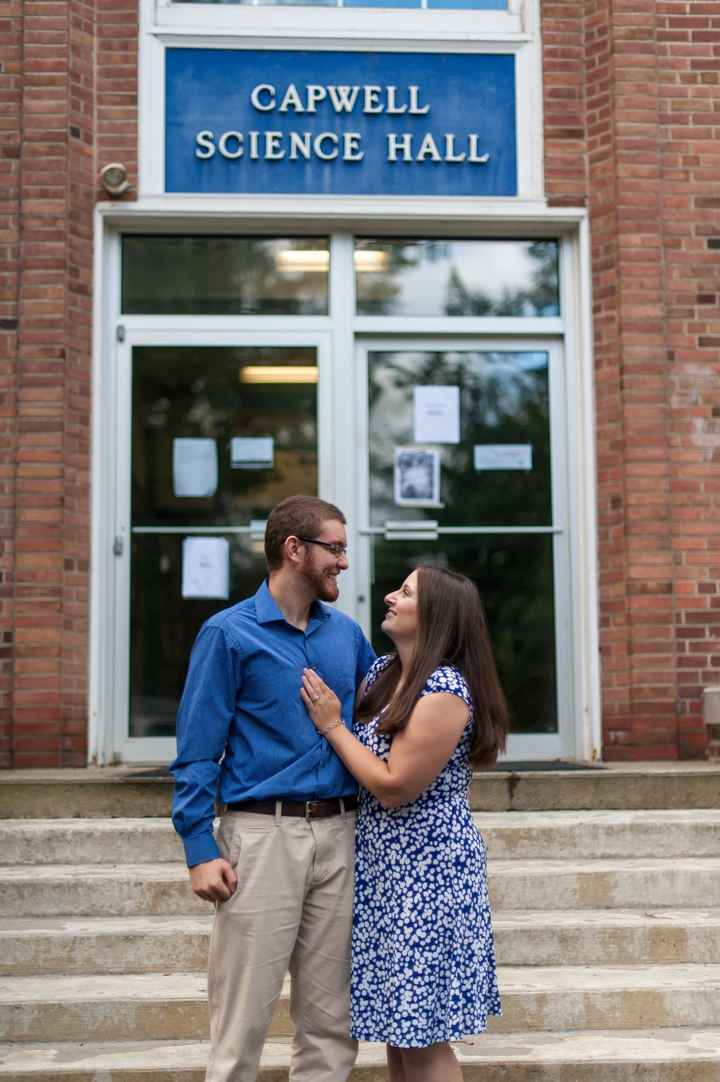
(303, 809)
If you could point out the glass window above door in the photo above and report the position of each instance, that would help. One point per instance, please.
(226, 275)
(479, 5)
(431, 278)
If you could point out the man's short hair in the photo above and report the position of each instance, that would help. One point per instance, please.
(299, 516)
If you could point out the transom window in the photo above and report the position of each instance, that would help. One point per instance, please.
(477, 5)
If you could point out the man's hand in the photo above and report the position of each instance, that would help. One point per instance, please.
(214, 881)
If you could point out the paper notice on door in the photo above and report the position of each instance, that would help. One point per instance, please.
(503, 456)
(437, 414)
(251, 452)
(195, 467)
(205, 567)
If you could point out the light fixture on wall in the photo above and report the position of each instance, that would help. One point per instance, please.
(114, 178)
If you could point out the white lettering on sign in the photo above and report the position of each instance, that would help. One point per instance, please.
(406, 147)
(266, 89)
(329, 146)
(342, 99)
(273, 146)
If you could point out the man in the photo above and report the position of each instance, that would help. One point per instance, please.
(281, 870)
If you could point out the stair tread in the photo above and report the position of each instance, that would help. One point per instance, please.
(508, 918)
(549, 980)
(694, 816)
(597, 1046)
(173, 871)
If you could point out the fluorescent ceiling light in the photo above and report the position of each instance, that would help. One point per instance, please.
(318, 260)
(276, 373)
(366, 260)
(308, 259)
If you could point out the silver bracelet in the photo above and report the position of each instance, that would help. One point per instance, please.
(328, 728)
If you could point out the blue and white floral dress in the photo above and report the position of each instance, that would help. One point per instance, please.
(423, 959)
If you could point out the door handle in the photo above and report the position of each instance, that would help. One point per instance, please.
(422, 530)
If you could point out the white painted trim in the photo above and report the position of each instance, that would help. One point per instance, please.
(493, 325)
(296, 20)
(389, 215)
(410, 217)
(151, 112)
(576, 297)
(342, 310)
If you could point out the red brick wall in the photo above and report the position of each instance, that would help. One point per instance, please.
(631, 92)
(640, 79)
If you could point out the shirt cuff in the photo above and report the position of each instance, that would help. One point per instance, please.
(200, 849)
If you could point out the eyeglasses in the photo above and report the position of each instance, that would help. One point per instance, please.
(332, 546)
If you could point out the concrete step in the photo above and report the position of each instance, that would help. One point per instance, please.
(163, 889)
(67, 945)
(154, 1006)
(508, 835)
(139, 791)
(655, 1055)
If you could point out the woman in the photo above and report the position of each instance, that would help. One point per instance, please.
(423, 965)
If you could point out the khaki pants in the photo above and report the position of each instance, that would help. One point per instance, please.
(292, 911)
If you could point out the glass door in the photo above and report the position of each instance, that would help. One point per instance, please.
(464, 468)
(218, 432)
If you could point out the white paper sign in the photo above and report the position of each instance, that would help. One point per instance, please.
(503, 456)
(417, 477)
(437, 415)
(251, 452)
(205, 567)
(195, 467)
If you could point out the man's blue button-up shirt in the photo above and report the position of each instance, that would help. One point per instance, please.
(241, 719)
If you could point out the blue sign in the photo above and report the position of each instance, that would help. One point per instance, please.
(282, 122)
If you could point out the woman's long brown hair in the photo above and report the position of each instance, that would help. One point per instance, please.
(451, 631)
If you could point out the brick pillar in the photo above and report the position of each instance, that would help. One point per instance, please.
(54, 214)
(630, 66)
(689, 89)
(10, 138)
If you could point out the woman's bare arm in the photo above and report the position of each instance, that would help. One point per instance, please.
(418, 752)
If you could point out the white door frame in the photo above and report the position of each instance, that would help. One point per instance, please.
(341, 218)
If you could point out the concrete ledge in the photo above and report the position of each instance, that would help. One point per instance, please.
(123, 792)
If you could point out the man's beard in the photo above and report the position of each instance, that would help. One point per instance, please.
(324, 586)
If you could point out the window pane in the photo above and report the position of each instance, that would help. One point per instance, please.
(457, 277)
(180, 275)
(504, 423)
(164, 624)
(215, 397)
(515, 578)
(479, 5)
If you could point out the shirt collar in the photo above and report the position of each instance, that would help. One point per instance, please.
(268, 611)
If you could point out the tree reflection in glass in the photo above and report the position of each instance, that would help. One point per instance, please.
(503, 400)
(440, 277)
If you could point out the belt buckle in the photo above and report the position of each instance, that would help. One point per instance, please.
(309, 805)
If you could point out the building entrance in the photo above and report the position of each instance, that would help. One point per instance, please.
(420, 385)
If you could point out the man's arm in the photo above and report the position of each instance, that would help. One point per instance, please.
(206, 711)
